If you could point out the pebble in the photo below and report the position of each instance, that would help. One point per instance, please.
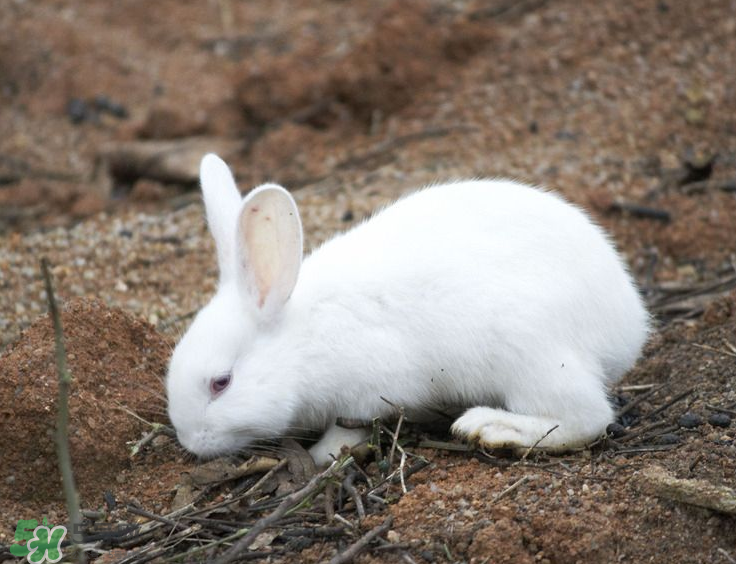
(427, 556)
(615, 430)
(347, 216)
(105, 104)
(77, 110)
(690, 420)
(719, 419)
(668, 439)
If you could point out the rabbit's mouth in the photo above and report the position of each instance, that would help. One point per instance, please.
(207, 444)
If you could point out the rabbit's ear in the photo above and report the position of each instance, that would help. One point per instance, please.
(221, 201)
(269, 247)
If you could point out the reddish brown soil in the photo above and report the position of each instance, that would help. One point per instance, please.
(350, 105)
(117, 364)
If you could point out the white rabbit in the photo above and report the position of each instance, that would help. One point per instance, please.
(488, 295)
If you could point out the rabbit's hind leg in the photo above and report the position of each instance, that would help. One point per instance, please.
(554, 419)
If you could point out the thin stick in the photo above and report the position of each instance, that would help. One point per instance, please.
(353, 493)
(636, 388)
(646, 448)
(395, 437)
(516, 485)
(531, 448)
(670, 403)
(713, 349)
(158, 429)
(444, 445)
(695, 462)
(401, 470)
(267, 476)
(639, 431)
(726, 555)
(636, 401)
(151, 551)
(289, 502)
(375, 441)
(356, 548)
(62, 417)
(721, 409)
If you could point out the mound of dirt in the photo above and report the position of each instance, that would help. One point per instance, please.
(411, 49)
(117, 364)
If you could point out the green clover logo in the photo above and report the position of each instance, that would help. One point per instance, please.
(42, 543)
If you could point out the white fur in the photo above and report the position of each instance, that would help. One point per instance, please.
(488, 295)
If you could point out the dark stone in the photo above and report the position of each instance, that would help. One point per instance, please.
(668, 439)
(690, 420)
(565, 135)
(105, 104)
(615, 430)
(348, 216)
(719, 419)
(77, 110)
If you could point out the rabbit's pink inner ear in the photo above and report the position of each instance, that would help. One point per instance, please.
(269, 246)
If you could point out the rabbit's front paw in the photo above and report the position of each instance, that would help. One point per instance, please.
(328, 448)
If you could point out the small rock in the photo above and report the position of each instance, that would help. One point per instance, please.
(105, 104)
(145, 190)
(77, 110)
(668, 439)
(167, 121)
(690, 420)
(695, 116)
(719, 419)
(87, 204)
(427, 556)
(393, 537)
(348, 216)
(615, 430)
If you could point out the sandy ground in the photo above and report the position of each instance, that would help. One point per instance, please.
(628, 110)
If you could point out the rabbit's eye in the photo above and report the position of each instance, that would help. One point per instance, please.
(219, 383)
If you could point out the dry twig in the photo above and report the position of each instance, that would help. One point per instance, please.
(348, 484)
(636, 401)
(289, 503)
(539, 440)
(691, 492)
(721, 409)
(516, 485)
(362, 542)
(62, 418)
